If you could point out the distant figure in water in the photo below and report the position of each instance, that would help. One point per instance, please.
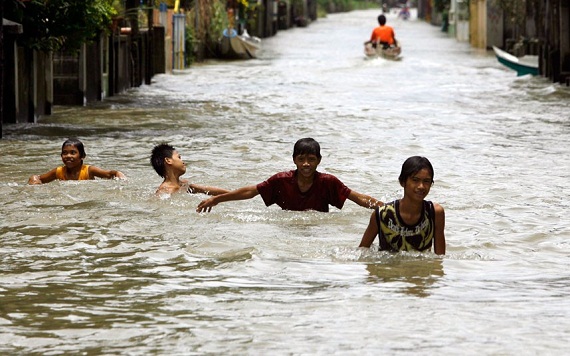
(410, 223)
(404, 13)
(168, 164)
(300, 189)
(72, 155)
(383, 34)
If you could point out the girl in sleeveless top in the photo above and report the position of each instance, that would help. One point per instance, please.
(72, 155)
(411, 223)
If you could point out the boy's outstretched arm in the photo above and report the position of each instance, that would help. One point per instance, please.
(238, 194)
(364, 200)
(195, 188)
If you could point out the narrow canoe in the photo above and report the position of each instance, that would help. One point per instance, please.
(522, 65)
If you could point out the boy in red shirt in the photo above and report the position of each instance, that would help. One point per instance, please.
(300, 189)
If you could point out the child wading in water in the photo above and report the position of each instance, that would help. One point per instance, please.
(168, 163)
(72, 155)
(302, 189)
(410, 223)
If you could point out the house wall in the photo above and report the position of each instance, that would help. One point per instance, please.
(163, 25)
(459, 20)
(495, 30)
(565, 40)
(10, 102)
(478, 23)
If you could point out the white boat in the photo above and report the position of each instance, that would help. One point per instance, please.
(392, 52)
(522, 65)
(234, 46)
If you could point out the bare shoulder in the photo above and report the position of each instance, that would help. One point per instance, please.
(438, 208)
(167, 188)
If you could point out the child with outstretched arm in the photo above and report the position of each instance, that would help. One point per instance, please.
(302, 189)
(168, 163)
(72, 155)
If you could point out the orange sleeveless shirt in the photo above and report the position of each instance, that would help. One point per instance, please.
(83, 174)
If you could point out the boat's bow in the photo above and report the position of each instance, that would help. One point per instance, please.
(234, 46)
(523, 65)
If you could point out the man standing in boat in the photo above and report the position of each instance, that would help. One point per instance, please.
(383, 34)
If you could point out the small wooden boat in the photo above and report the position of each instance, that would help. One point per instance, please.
(234, 46)
(522, 65)
(392, 52)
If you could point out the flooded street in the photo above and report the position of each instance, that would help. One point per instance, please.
(104, 267)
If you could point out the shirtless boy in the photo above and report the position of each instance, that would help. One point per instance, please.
(168, 163)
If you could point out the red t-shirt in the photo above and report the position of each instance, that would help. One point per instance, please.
(282, 189)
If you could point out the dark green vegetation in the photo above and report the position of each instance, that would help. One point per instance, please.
(59, 24)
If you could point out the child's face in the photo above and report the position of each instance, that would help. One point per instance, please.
(306, 164)
(176, 162)
(70, 156)
(418, 185)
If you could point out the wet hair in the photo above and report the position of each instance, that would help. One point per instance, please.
(307, 146)
(78, 144)
(412, 166)
(381, 20)
(159, 154)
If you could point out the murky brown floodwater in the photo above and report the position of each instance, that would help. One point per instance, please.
(102, 267)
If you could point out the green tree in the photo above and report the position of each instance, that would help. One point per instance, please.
(51, 25)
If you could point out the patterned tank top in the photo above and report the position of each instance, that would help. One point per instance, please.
(83, 174)
(395, 235)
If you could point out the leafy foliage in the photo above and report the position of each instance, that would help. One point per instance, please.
(208, 23)
(51, 25)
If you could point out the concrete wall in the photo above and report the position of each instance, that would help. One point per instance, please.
(565, 41)
(485, 24)
(459, 20)
(10, 103)
(67, 83)
(164, 19)
(478, 23)
(495, 26)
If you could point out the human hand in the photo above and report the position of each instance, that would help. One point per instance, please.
(35, 179)
(205, 206)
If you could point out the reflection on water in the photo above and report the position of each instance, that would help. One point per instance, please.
(414, 276)
(104, 267)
